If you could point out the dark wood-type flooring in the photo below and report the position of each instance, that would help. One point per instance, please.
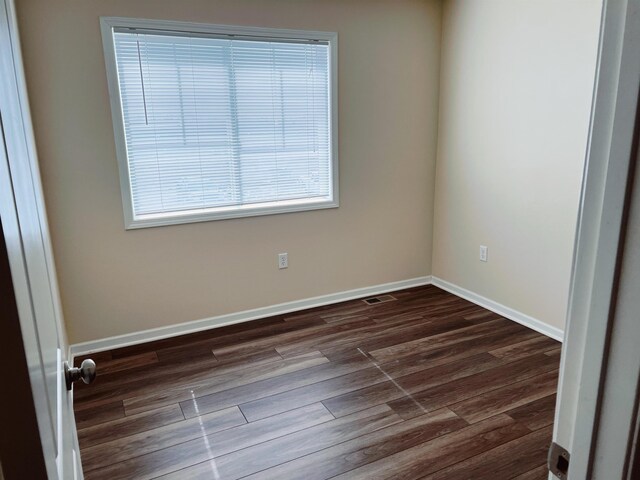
(428, 386)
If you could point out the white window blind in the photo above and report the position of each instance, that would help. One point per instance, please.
(215, 124)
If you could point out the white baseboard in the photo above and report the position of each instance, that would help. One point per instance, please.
(144, 336)
(510, 313)
(240, 317)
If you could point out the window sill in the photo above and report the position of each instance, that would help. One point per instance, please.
(225, 213)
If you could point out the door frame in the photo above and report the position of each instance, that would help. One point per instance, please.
(599, 248)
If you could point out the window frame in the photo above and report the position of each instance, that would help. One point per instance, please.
(107, 26)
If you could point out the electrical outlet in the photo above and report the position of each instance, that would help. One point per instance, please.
(484, 252)
(283, 260)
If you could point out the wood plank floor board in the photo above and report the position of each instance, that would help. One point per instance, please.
(424, 294)
(526, 348)
(469, 387)
(257, 337)
(196, 353)
(256, 327)
(321, 330)
(187, 377)
(413, 325)
(314, 313)
(414, 381)
(363, 398)
(352, 337)
(179, 372)
(298, 397)
(272, 386)
(539, 473)
(435, 341)
(428, 384)
(433, 455)
(507, 398)
(359, 451)
(435, 356)
(125, 426)
(148, 441)
(395, 336)
(101, 413)
(207, 386)
(98, 357)
(268, 454)
(390, 313)
(401, 314)
(342, 318)
(482, 313)
(537, 414)
(126, 364)
(417, 300)
(154, 375)
(462, 310)
(343, 395)
(351, 307)
(349, 336)
(505, 461)
(171, 388)
(416, 328)
(205, 448)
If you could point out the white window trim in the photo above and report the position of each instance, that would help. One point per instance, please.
(107, 24)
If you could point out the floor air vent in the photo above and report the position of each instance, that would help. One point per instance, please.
(380, 299)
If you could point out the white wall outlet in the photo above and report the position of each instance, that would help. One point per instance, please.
(283, 260)
(484, 252)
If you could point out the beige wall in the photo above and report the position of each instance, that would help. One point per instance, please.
(516, 85)
(115, 281)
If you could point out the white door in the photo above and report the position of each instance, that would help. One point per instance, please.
(29, 249)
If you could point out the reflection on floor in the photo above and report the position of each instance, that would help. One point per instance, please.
(424, 386)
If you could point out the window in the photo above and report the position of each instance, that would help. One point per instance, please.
(216, 122)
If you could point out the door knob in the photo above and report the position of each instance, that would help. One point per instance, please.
(86, 372)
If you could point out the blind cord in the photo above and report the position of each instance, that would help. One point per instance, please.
(144, 97)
